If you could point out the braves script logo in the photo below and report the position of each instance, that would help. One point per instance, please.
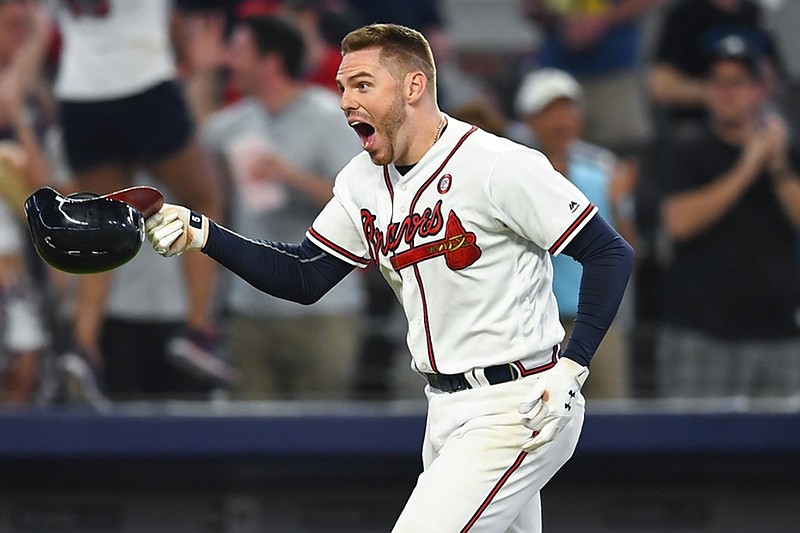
(458, 245)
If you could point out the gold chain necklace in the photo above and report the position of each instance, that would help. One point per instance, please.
(442, 122)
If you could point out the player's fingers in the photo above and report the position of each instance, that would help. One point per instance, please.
(167, 240)
(536, 393)
(530, 446)
(537, 420)
(542, 436)
(153, 221)
(163, 244)
(527, 407)
(160, 220)
(162, 217)
(178, 247)
(161, 249)
(168, 230)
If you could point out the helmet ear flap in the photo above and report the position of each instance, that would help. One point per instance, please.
(83, 233)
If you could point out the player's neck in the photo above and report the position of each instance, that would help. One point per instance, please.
(422, 135)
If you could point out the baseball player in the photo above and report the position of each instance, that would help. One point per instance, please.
(461, 224)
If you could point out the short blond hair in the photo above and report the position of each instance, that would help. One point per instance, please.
(403, 49)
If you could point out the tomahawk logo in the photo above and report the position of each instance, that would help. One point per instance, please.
(458, 248)
(458, 245)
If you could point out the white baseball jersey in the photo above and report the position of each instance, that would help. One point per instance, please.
(464, 240)
(113, 48)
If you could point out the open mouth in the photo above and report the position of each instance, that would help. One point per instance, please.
(365, 132)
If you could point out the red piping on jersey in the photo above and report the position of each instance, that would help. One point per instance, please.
(541, 368)
(333, 246)
(438, 170)
(566, 234)
(388, 182)
(425, 318)
(494, 492)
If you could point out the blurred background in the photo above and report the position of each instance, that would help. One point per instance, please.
(166, 396)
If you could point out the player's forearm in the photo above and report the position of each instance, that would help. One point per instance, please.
(301, 273)
(607, 261)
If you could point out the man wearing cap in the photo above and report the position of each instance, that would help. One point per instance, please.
(732, 210)
(549, 104)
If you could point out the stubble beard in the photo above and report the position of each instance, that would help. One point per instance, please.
(389, 127)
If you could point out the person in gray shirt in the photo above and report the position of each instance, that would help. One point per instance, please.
(283, 144)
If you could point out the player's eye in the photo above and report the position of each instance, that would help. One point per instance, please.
(363, 86)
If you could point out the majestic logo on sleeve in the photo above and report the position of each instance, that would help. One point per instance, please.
(458, 245)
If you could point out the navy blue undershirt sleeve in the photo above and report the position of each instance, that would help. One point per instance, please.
(607, 261)
(302, 273)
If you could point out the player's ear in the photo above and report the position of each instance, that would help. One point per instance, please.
(416, 85)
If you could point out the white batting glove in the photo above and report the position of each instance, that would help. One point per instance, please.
(175, 229)
(555, 394)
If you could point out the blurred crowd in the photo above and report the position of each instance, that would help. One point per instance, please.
(674, 117)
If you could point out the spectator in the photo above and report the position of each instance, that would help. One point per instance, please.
(488, 118)
(318, 24)
(733, 209)
(690, 30)
(599, 43)
(677, 89)
(121, 108)
(144, 311)
(283, 144)
(23, 332)
(23, 336)
(23, 36)
(549, 103)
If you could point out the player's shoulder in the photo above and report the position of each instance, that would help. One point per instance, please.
(483, 145)
(356, 183)
(498, 152)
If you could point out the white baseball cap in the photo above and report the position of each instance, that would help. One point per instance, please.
(541, 87)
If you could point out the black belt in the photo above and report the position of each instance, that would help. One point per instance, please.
(455, 382)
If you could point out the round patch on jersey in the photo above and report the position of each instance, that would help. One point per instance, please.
(444, 183)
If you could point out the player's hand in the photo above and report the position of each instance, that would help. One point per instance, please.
(554, 398)
(175, 229)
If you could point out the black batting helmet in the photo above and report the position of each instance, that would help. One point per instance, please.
(83, 233)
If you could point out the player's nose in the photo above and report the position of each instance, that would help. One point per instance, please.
(347, 103)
